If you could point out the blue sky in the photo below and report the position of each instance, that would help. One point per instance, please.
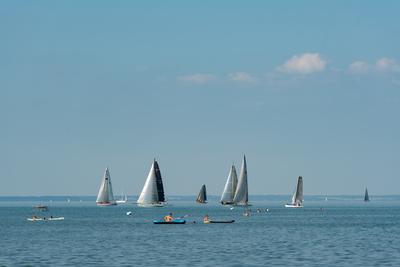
(307, 88)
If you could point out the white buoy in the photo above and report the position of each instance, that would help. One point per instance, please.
(232, 208)
(129, 213)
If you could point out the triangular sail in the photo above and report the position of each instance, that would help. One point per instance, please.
(202, 197)
(153, 189)
(230, 187)
(242, 191)
(297, 198)
(366, 196)
(105, 195)
(160, 186)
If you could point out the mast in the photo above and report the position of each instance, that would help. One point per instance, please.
(230, 187)
(105, 195)
(242, 194)
(202, 197)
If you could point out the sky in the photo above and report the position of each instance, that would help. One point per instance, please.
(308, 88)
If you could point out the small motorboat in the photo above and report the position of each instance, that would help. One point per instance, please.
(175, 221)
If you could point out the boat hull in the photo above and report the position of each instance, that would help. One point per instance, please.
(103, 204)
(292, 206)
(220, 221)
(177, 221)
(46, 219)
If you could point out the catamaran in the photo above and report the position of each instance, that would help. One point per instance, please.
(106, 196)
(366, 196)
(297, 198)
(152, 194)
(202, 197)
(242, 191)
(230, 187)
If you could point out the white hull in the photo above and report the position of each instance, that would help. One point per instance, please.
(292, 206)
(46, 219)
(106, 204)
(151, 205)
(121, 201)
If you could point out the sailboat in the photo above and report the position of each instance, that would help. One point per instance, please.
(123, 200)
(106, 196)
(297, 198)
(230, 187)
(202, 197)
(153, 189)
(242, 191)
(366, 196)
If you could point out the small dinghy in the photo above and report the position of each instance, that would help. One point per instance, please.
(176, 221)
(33, 219)
(220, 221)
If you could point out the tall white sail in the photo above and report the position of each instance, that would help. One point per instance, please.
(242, 191)
(297, 198)
(105, 196)
(230, 187)
(153, 189)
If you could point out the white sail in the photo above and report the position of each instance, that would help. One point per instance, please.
(230, 187)
(153, 191)
(297, 198)
(105, 195)
(242, 191)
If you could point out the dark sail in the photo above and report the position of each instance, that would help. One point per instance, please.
(202, 197)
(160, 187)
(366, 197)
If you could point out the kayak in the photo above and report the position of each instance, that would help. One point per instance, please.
(46, 219)
(176, 221)
(225, 221)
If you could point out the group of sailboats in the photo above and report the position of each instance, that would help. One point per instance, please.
(236, 190)
(151, 195)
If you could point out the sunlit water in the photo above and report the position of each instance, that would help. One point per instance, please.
(321, 234)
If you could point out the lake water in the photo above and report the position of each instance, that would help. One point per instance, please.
(323, 233)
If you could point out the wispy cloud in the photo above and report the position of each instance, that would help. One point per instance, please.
(241, 77)
(381, 65)
(197, 78)
(387, 65)
(304, 64)
(359, 67)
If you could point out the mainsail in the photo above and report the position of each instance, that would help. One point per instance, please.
(202, 197)
(230, 187)
(242, 191)
(297, 198)
(106, 196)
(153, 189)
(366, 197)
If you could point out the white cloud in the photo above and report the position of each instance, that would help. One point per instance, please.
(197, 78)
(387, 65)
(359, 67)
(241, 77)
(305, 64)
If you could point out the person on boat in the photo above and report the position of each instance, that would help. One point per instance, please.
(206, 219)
(168, 218)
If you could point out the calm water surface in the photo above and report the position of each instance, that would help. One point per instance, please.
(321, 234)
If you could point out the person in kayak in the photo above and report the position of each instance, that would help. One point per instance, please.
(168, 218)
(206, 219)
